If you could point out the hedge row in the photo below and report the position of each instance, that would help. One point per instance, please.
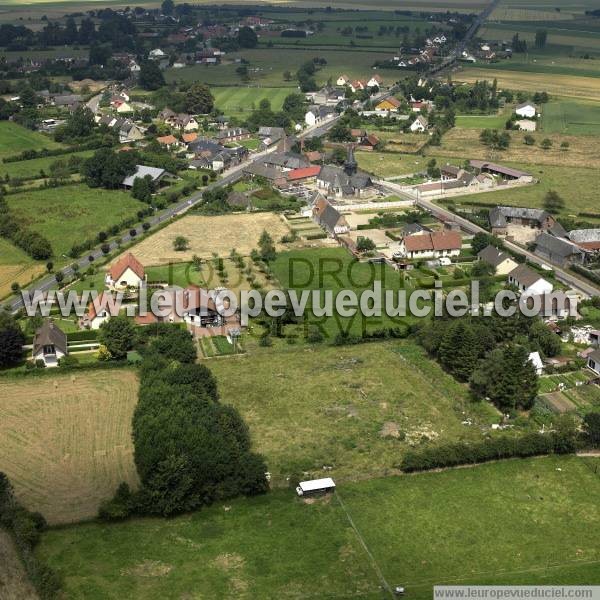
(316, 236)
(465, 453)
(25, 528)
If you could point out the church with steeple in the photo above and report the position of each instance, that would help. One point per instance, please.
(347, 181)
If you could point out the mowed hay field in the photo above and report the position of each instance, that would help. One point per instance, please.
(582, 151)
(534, 521)
(65, 440)
(210, 234)
(15, 265)
(555, 84)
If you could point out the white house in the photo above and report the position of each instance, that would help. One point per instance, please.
(124, 107)
(128, 272)
(536, 360)
(527, 110)
(317, 114)
(593, 361)
(156, 54)
(528, 281)
(49, 344)
(431, 244)
(100, 310)
(375, 81)
(343, 80)
(501, 261)
(420, 124)
(526, 125)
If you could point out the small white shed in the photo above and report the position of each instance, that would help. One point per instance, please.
(315, 486)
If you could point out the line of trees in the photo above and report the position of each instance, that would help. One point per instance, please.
(190, 450)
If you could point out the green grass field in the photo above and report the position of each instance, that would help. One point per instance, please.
(237, 101)
(481, 121)
(15, 139)
(572, 118)
(354, 408)
(72, 214)
(532, 521)
(272, 63)
(33, 167)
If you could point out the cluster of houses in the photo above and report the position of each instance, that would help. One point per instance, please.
(549, 238)
(193, 306)
(288, 170)
(480, 176)
(424, 55)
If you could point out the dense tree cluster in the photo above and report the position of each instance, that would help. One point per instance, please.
(150, 76)
(114, 28)
(107, 168)
(492, 355)
(11, 340)
(190, 450)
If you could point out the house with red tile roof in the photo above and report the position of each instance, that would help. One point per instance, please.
(127, 272)
(303, 174)
(100, 310)
(431, 245)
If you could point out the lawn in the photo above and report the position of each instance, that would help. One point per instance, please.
(72, 214)
(352, 408)
(390, 164)
(66, 440)
(487, 525)
(568, 117)
(14, 139)
(185, 274)
(481, 121)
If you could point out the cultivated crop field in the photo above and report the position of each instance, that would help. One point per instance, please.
(72, 214)
(14, 139)
(461, 526)
(209, 234)
(15, 265)
(575, 118)
(555, 84)
(353, 408)
(65, 440)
